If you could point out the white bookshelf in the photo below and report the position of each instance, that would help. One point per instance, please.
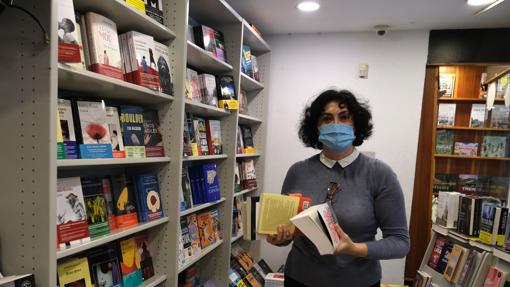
(63, 164)
(154, 281)
(247, 155)
(244, 191)
(204, 157)
(249, 84)
(204, 252)
(249, 120)
(202, 206)
(204, 60)
(200, 109)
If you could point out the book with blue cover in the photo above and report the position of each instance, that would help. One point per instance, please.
(149, 197)
(211, 185)
(246, 64)
(131, 120)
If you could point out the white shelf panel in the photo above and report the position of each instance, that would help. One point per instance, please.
(200, 109)
(237, 237)
(244, 155)
(204, 157)
(202, 254)
(244, 191)
(257, 44)
(126, 17)
(105, 87)
(80, 163)
(205, 61)
(440, 229)
(213, 12)
(154, 281)
(116, 234)
(480, 245)
(505, 256)
(248, 120)
(248, 84)
(201, 206)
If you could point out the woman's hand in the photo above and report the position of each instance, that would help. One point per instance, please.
(281, 238)
(346, 245)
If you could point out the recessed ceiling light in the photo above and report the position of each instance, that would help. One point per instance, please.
(479, 2)
(308, 6)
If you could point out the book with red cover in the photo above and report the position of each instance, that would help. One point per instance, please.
(205, 229)
(435, 255)
(495, 277)
(68, 38)
(141, 68)
(107, 193)
(71, 213)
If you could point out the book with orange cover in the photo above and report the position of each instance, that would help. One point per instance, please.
(205, 229)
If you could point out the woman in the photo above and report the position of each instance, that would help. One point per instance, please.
(364, 192)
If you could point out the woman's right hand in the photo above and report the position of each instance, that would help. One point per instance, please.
(281, 238)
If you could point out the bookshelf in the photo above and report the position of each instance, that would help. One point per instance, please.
(34, 81)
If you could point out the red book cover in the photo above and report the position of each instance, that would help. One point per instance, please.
(71, 213)
(68, 44)
(205, 229)
(142, 68)
(494, 277)
(208, 133)
(435, 255)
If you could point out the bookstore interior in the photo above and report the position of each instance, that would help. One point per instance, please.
(141, 129)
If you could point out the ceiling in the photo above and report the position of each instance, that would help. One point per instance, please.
(282, 16)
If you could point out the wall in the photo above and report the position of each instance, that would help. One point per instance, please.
(304, 65)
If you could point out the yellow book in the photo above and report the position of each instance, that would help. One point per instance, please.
(137, 4)
(276, 209)
(74, 271)
(453, 262)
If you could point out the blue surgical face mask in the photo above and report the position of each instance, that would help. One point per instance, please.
(336, 137)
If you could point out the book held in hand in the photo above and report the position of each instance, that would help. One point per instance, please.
(276, 209)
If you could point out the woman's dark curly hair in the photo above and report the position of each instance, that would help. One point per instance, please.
(360, 112)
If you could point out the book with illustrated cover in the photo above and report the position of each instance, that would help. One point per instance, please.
(466, 149)
(204, 38)
(186, 188)
(211, 185)
(445, 182)
(454, 261)
(164, 69)
(95, 134)
(246, 64)
(131, 120)
(255, 64)
(207, 84)
(61, 154)
(446, 85)
(130, 263)
(137, 4)
(26, 280)
(95, 203)
(201, 135)
(108, 197)
(193, 91)
(237, 217)
(74, 272)
(248, 175)
(125, 202)
(71, 212)
(446, 114)
(494, 146)
(68, 45)
(188, 137)
(500, 117)
(467, 208)
(141, 68)
(112, 119)
(153, 139)
(488, 222)
(149, 197)
(105, 266)
(436, 252)
(102, 46)
(65, 112)
(239, 142)
(443, 259)
(447, 209)
(444, 142)
(243, 102)
(247, 139)
(478, 116)
(498, 187)
(154, 9)
(194, 234)
(495, 277)
(227, 97)
(216, 224)
(145, 253)
(79, 65)
(501, 86)
(186, 239)
(219, 46)
(473, 184)
(205, 229)
(214, 136)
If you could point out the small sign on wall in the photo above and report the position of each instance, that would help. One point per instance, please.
(363, 71)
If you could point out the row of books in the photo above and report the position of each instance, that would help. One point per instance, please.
(90, 207)
(460, 266)
(245, 270)
(151, 8)
(472, 184)
(499, 116)
(124, 263)
(209, 39)
(491, 146)
(93, 129)
(447, 85)
(201, 136)
(198, 231)
(90, 41)
(249, 63)
(217, 91)
(245, 175)
(245, 140)
(237, 218)
(190, 277)
(199, 185)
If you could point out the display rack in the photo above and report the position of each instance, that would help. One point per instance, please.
(32, 81)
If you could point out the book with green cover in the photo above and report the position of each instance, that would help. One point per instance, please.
(494, 146)
(444, 142)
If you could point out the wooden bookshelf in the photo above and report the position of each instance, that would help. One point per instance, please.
(473, 129)
(468, 100)
(454, 156)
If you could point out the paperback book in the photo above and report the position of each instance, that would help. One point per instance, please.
(246, 64)
(95, 204)
(71, 213)
(494, 146)
(446, 114)
(435, 255)
(186, 239)
(145, 253)
(219, 46)
(204, 38)
(68, 45)
(95, 134)
(255, 64)
(444, 142)
(164, 69)
(125, 202)
(194, 234)
(248, 174)
(205, 229)
(154, 9)
(446, 85)
(186, 189)
(500, 117)
(211, 184)
(227, 98)
(188, 136)
(130, 263)
(201, 135)
(141, 68)
(478, 116)
(74, 272)
(131, 119)
(276, 209)
(466, 149)
(65, 112)
(207, 83)
(105, 266)
(501, 86)
(112, 119)
(149, 197)
(473, 184)
(153, 139)
(445, 182)
(214, 136)
(107, 193)
(243, 103)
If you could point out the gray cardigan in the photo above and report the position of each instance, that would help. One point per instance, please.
(370, 198)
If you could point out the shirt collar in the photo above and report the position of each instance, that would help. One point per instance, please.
(344, 162)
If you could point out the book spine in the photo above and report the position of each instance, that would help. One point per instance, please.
(208, 134)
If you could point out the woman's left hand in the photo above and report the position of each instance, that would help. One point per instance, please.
(346, 245)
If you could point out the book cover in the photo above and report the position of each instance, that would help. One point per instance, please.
(95, 133)
(188, 138)
(205, 229)
(112, 120)
(190, 35)
(130, 263)
(453, 260)
(213, 129)
(473, 184)
(464, 223)
(445, 182)
(443, 259)
(495, 277)
(248, 177)
(192, 86)
(227, 97)
(435, 255)
(237, 178)
(256, 71)
(103, 46)
(71, 213)
(153, 139)
(444, 142)
(208, 89)
(219, 46)
(494, 146)
(239, 142)
(145, 253)
(468, 268)
(204, 37)
(500, 117)
(110, 209)
(211, 183)
(186, 239)
(243, 103)
(196, 146)
(125, 205)
(60, 140)
(105, 266)
(446, 85)
(194, 234)
(478, 116)
(68, 46)
(131, 119)
(150, 197)
(501, 85)
(503, 221)
(446, 114)
(216, 224)
(447, 209)
(466, 149)
(202, 136)
(247, 137)
(81, 65)
(142, 68)
(276, 209)
(498, 187)
(137, 4)
(27, 280)
(487, 223)
(74, 272)
(246, 64)
(164, 69)
(154, 9)
(95, 204)
(65, 112)
(186, 188)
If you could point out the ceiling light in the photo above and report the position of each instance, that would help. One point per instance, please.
(308, 6)
(480, 2)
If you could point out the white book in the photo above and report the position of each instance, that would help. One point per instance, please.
(317, 223)
(68, 45)
(164, 69)
(142, 67)
(500, 117)
(478, 116)
(447, 209)
(71, 220)
(93, 122)
(446, 85)
(114, 128)
(446, 114)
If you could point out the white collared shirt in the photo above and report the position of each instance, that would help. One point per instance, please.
(344, 162)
